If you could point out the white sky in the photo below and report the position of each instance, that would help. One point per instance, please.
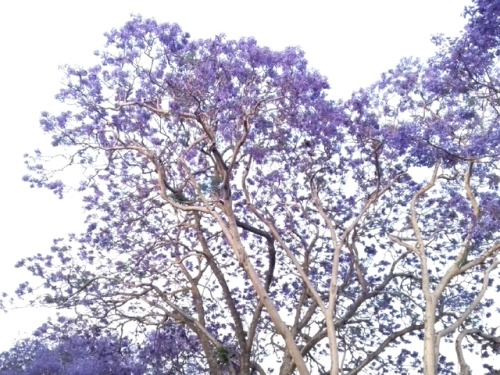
(349, 41)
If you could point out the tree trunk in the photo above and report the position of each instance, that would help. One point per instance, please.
(431, 345)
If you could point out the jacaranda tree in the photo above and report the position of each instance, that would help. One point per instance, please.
(73, 347)
(78, 352)
(285, 232)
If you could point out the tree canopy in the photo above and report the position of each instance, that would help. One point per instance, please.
(78, 354)
(230, 199)
(73, 347)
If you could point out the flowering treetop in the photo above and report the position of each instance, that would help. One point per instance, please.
(227, 194)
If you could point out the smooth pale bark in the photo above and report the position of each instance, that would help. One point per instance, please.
(271, 309)
(431, 344)
(231, 231)
(431, 351)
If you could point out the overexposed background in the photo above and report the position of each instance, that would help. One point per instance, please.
(351, 42)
